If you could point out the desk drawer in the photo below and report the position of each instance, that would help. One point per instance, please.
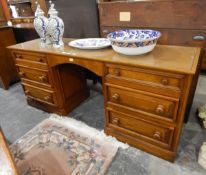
(40, 94)
(151, 132)
(35, 75)
(153, 88)
(30, 59)
(139, 100)
(147, 77)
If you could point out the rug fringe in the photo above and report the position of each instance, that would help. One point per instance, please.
(92, 131)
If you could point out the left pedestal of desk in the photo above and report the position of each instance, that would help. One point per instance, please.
(7, 68)
(57, 89)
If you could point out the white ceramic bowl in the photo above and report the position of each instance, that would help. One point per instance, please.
(134, 41)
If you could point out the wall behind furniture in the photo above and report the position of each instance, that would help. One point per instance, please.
(80, 17)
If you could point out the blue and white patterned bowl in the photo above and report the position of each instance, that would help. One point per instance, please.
(133, 41)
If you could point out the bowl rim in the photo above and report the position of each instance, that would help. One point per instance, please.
(133, 40)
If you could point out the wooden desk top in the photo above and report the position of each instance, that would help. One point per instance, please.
(171, 58)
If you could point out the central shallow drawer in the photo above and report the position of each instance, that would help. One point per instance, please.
(148, 102)
(151, 132)
(40, 94)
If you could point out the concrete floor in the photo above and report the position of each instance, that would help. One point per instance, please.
(17, 118)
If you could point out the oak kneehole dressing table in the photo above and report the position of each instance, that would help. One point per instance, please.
(145, 96)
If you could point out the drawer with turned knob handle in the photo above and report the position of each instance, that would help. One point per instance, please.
(157, 135)
(24, 58)
(165, 81)
(41, 60)
(155, 105)
(116, 72)
(137, 125)
(43, 78)
(116, 97)
(115, 121)
(39, 95)
(19, 56)
(160, 110)
(21, 74)
(158, 82)
(34, 75)
(48, 98)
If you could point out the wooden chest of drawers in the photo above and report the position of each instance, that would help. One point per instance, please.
(145, 97)
(34, 73)
(143, 106)
(42, 85)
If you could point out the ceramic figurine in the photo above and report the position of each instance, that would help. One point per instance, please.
(40, 25)
(55, 27)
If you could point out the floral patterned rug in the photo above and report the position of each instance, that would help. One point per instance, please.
(58, 148)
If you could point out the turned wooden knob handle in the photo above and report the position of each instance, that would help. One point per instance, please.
(115, 97)
(18, 56)
(21, 74)
(27, 92)
(115, 121)
(48, 98)
(40, 60)
(116, 72)
(165, 81)
(43, 78)
(157, 135)
(160, 110)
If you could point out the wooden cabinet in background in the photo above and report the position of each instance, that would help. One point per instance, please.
(21, 14)
(22, 11)
(3, 19)
(7, 68)
(180, 22)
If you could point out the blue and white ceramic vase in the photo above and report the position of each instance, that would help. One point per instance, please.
(40, 25)
(55, 27)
